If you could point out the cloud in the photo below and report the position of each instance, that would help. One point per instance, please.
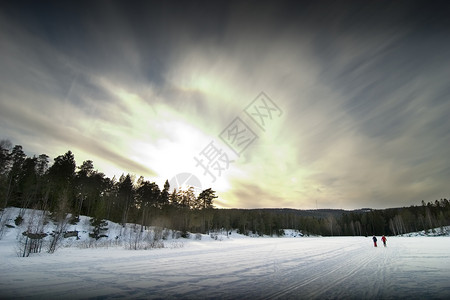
(49, 102)
(363, 95)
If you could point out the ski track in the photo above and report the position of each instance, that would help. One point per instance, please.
(257, 268)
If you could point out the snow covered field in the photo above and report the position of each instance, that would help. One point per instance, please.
(236, 268)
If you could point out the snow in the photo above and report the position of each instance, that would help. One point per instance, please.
(441, 231)
(233, 267)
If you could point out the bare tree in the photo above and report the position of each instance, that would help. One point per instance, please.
(32, 239)
(62, 219)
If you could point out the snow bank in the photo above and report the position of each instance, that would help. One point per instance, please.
(440, 231)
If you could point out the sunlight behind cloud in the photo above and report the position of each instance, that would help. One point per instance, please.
(364, 108)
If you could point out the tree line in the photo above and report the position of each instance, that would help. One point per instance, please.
(327, 222)
(63, 187)
(32, 182)
(394, 221)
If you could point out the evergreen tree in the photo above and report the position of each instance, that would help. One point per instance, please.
(148, 195)
(5, 164)
(206, 198)
(17, 158)
(27, 183)
(126, 195)
(164, 199)
(5, 157)
(84, 185)
(42, 164)
(61, 176)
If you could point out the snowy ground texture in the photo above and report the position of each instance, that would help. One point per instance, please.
(237, 267)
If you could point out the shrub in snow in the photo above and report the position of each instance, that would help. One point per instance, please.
(176, 234)
(99, 228)
(137, 239)
(18, 221)
(165, 234)
(32, 238)
(198, 236)
(30, 243)
(157, 244)
(91, 243)
(217, 236)
(134, 241)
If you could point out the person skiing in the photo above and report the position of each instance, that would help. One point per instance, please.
(374, 241)
(384, 240)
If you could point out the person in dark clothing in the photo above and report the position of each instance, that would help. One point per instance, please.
(374, 241)
(384, 240)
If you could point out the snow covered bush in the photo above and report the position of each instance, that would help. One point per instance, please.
(165, 233)
(176, 234)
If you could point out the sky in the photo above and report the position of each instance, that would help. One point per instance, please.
(292, 104)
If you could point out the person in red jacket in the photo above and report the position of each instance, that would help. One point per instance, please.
(374, 241)
(384, 240)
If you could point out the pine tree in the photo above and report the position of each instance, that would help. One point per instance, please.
(61, 176)
(206, 199)
(126, 195)
(165, 196)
